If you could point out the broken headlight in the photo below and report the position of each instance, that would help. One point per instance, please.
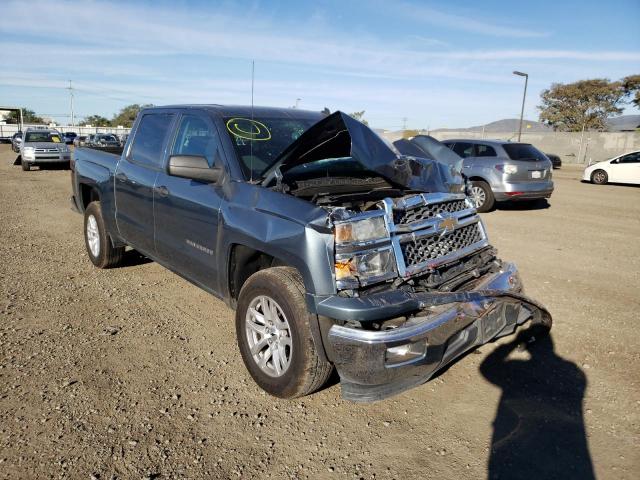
(359, 269)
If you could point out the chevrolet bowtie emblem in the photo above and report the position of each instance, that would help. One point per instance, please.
(448, 224)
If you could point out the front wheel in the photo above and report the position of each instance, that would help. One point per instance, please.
(482, 196)
(274, 335)
(599, 177)
(25, 165)
(101, 251)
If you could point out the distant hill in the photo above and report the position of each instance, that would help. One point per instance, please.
(623, 123)
(504, 125)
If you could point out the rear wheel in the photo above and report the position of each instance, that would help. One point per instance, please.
(599, 177)
(101, 251)
(482, 196)
(274, 336)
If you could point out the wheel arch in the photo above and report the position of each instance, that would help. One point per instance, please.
(243, 261)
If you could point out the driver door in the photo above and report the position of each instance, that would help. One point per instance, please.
(187, 211)
(626, 169)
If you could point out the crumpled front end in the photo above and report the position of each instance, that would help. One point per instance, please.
(374, 365)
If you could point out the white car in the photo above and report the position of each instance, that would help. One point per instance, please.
(622, 169)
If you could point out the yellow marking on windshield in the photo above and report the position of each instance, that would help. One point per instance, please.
(55, 139)
(253, 133)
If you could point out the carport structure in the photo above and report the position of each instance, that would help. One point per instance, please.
(4, 132)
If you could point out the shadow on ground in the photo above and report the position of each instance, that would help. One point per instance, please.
(538, 431)
(539, 204)
(132, 258)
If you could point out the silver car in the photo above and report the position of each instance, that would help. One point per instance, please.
(43, 146)
(503, 171)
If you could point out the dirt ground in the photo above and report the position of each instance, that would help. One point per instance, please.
(135, 373)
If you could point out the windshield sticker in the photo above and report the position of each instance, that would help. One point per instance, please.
(55, 139)
(248, 129)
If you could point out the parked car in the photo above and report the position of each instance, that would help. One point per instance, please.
(503, 171)
(89, 139)
(16, 141)
(334, 249)
(43, 146)
(555, 160)
(622, 169)
(69, 137)
(80, 141)
(105, 140)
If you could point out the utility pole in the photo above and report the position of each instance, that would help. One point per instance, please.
(524, 96)
(404, 123)
(71, 94)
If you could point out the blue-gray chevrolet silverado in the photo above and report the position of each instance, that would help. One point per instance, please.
(336, 248)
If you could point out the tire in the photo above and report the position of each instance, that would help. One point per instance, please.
(481, 192)
(97, 241)
(302, 372)
(599, 177)
(25, 166)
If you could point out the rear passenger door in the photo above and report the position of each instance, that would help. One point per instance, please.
(186, 211)
(467, 152)
(135, 179)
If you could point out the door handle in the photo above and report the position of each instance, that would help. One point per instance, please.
(162, 191)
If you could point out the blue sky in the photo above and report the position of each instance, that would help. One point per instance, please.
(439, 64)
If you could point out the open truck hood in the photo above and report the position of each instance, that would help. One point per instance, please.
(339, 136)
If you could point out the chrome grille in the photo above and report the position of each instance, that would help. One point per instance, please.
(426, 212)
(433, 247)
(46, 150)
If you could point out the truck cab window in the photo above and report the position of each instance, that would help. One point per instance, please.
(150, 139)
(195, 137)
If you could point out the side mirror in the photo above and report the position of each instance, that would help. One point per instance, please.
(194, 167)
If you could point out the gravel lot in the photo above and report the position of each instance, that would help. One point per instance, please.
(134, 373)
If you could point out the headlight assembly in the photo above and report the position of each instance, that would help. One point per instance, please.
(359, 269)
(358, 231)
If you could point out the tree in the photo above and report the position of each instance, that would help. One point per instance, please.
(630, 85)
(583, 104)
(359, 116)
(97, 121)
(127, 115)
(28, 116)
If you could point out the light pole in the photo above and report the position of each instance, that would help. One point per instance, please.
(71, 92)
(524, 96)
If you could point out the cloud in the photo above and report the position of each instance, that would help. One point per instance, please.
(469, 22)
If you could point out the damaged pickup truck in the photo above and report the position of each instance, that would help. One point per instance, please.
(335, 249)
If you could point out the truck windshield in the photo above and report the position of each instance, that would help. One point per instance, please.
(260, 141)
(523, 151)
(51, 137)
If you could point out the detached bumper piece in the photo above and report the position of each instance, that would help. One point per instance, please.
(374, 365)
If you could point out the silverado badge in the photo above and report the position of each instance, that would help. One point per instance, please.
(448, 225)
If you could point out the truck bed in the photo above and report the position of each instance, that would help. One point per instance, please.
(105, 157)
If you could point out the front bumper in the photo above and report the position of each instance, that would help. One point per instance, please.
(45, 158)
(524, 191)
(448, 325)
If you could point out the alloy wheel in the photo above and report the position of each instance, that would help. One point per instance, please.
(269, 336)
(93, 236)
